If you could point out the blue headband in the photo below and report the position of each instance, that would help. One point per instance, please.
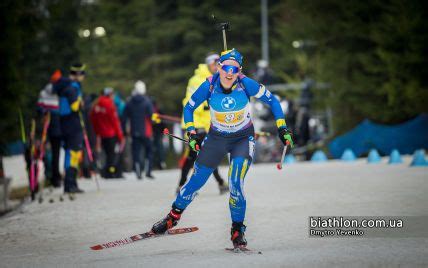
(231, 55)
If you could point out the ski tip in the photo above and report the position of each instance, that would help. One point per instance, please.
(97, 247)
(279, 166)
(190, 229)
(182, 230)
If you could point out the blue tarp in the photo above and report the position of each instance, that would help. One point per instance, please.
(13, 148)
(406, 137)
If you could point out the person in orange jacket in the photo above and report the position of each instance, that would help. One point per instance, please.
(106, 123)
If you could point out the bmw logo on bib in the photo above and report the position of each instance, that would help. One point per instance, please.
(228, 103)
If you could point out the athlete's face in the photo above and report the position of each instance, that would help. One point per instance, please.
(77, 77)
(228, 76)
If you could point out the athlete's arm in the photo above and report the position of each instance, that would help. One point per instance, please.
(73, 98)
(200, 95)
(261, 93)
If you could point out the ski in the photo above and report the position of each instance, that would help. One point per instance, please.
(242, 250)
(88, 148)
(150, 234)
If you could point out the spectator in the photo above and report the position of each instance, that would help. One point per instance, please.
(120, 107)
(119, 103)
(158, 127)
(49, 103)
(139, 111)
(107, 127)
(202, 121)
(69, 91)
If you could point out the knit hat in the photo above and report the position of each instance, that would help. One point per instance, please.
(139, 88)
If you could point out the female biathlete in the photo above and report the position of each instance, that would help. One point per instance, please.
(228, 93)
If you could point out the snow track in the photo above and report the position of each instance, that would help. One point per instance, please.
(278, 206)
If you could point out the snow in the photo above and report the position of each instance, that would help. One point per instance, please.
(15, 168)
(278, 206)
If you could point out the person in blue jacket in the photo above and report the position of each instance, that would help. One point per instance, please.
(139, 111)
(69, 91)
(228, 93)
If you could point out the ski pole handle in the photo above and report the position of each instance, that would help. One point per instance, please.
(284, 151)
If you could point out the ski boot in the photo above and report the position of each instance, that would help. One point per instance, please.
(224, 188)
(237, 233)
(168, 222)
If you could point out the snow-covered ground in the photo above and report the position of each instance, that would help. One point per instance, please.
(278, 202)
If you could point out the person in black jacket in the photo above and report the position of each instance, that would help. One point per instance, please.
(139, 110)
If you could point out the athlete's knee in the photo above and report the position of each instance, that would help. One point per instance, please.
(189, 190)
(238, 169)
(75, 157)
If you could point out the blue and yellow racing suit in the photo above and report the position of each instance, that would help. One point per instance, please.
(70, 101)
(231, 132)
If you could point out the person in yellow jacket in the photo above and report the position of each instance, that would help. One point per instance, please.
(202, 119)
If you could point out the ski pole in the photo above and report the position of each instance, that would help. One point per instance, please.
(224, 26)
(166, 132)
(284, 151)
(88, 147)
(46, 122)
(32, 158)
(21, 123)
(224, 39)
(169, 118)
(85, 137)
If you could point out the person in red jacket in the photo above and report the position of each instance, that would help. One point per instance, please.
(106, 123)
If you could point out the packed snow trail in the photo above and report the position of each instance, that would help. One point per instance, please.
(278, 206)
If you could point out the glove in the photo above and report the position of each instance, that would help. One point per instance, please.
(122, 143)
(194, 142)
(286, 136)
